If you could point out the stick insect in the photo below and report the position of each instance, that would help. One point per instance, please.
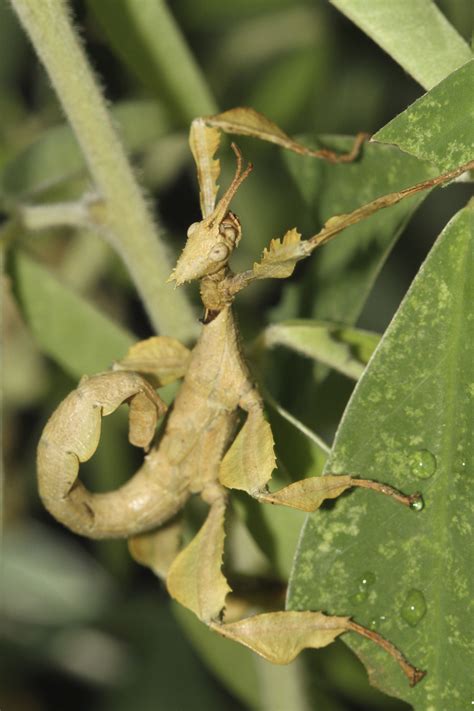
(199, 452)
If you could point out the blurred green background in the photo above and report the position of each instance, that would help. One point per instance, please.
(82, 625)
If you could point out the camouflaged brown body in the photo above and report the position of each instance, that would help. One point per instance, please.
(204, 416)
(186, 458)
(198, 451)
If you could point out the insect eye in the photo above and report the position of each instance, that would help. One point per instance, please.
(192, 228)
(228, 231)
(219, 252)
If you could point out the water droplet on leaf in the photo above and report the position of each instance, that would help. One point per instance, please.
(363, 585)
(414, 607)
(422, 463)
(377, 621)
(367, 579)
(359, 597)
(418, 504)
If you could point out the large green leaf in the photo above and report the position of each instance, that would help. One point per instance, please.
(56, 155)
(408, 424)
(340, 277)
(439, 126)
(345, 349)
(414, 33)
(68, 328)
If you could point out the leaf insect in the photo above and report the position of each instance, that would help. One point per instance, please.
(198, 452)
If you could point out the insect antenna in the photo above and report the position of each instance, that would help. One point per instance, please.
(237, 181)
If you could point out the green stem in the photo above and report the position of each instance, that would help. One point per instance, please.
(41, 217)
(282, 687)
(145, 34)
(129, 224)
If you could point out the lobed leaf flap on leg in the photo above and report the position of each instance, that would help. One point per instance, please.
(280, 257)
(157, 549)
(280, 636)
(245, 121)
(161, 358)
(250, 461)
(195, 579)
(142, 419)
(309, 494)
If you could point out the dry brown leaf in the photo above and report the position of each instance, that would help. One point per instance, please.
(249, 462)
(162, 358)
(195, 579)
(280, 636)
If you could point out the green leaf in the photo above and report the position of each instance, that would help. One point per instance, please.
(215, 15)
(167, 674)
(341, 276)
(407, 424)
(147, 38)
(439, 126)
(223, 657)
(56, 156)
(345, 349)
(68, 328)
(414, 33)
(53, 582)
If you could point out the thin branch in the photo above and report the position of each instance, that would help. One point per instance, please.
(63, 214)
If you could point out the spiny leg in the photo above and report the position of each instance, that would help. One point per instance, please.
(196, 581)
(250, 461)
(280, 636)
(204, 139)
(245, 121)
(279, 259)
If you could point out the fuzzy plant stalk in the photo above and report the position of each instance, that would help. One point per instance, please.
(123, 215)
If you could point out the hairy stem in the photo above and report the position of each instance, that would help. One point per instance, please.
(127, 220)
(40, 217)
